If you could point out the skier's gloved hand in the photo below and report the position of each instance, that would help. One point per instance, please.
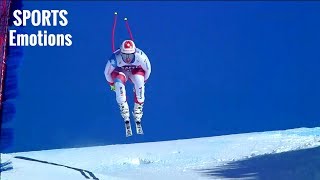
(112, 87)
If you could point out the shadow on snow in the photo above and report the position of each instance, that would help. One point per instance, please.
(293, 165)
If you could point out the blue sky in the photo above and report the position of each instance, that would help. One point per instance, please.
(218, 68)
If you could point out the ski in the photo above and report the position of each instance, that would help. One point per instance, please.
(128, 128)
(139, 129)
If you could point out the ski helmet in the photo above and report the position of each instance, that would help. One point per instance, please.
(128, 47)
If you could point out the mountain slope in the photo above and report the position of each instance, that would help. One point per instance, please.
(179, 159)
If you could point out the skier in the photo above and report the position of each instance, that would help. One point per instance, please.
(128, 63)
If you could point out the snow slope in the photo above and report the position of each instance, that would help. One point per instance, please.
(239, 156)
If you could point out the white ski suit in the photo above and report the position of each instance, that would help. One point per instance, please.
(117, 72)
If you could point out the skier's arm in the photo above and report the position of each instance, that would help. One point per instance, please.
(111, 65)
(145, 65)
(148, 69)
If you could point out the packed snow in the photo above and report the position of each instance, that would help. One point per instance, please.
(217, 157)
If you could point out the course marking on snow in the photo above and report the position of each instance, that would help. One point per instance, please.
(82, 171)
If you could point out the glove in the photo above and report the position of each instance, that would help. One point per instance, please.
(112, 87)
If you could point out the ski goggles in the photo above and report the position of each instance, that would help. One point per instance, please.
(127, 57)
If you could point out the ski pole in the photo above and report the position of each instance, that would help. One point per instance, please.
(113, 30)
(128, 28)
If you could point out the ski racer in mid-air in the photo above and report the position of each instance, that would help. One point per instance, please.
(128, 63)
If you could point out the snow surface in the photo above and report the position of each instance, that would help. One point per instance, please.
(220, 157)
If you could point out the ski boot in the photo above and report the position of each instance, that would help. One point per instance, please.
(124, 110)
(137, 114)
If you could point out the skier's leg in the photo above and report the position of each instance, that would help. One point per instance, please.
(119, 79)
(137, 78)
